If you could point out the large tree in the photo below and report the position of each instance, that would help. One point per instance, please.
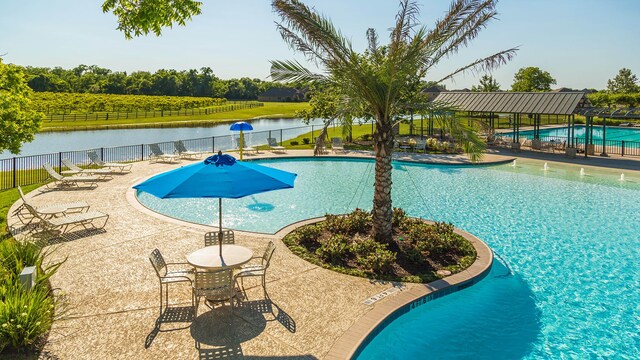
(18, 121)
(624, 83)
(379, 77)
(487, 84)
(532, 79)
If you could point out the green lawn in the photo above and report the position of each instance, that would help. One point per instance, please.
(269, 110)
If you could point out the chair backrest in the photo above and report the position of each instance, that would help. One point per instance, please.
(211, 238)
(70, 165)
(158, 263)
(35, 213)
(213, 282)
(155, 149)
(24, 200)
(51, 172)
(268, 252)
(336, 141)
(93, 156)
(180, 148)
(272, 141)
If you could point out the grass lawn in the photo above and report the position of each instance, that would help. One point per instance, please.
(269, 110)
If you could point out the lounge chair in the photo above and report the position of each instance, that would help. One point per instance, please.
(95, 159)
(76, 170)
(336, 144)
(52, 210)
(182, 151)
(246, 149)
(65, 222)
(158, 155)
(69, 181)
(274, 147)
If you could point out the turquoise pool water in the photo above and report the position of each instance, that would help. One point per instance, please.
(571, 243)
(613, 133)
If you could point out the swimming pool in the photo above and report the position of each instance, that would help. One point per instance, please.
(613, 133)
(571, 244)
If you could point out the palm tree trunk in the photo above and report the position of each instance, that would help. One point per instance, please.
(382, 209)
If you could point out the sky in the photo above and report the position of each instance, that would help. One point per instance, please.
(581, 43)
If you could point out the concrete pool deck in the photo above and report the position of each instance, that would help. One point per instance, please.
(112, 295)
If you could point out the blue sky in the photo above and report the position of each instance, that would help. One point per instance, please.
(582, 43)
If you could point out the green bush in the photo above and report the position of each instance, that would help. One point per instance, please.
(379, 261)
(336, 224)
(398, 217)
(335, 249)
(365, 137)
(359, 221)
(294, 143)
(308, 235)
(306, 141)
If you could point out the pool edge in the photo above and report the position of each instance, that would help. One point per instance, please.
(360, 333)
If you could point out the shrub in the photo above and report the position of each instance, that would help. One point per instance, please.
(398, 217)
(336, 224)
(364, 247)
(294, 143)
(359, 221)
(24, 315)
(379, 261)
(308, 235)
(432, 143)
(306, 141)
(366, 137)
(335, 249)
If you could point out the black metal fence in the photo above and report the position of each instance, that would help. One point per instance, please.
(26, 170)
(151, 113)
(614, 147)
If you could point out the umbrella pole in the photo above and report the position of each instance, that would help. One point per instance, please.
(220, 225)
(241, 144)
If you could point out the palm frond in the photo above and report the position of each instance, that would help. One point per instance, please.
(292, 71)
(486, 64)
(406, 19)
(372, 40)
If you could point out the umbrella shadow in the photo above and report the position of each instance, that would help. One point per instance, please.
(260, 207)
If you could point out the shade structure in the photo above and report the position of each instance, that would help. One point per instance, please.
(219, 176)
(241, 126)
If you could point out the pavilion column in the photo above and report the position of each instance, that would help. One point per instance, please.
(604, 137)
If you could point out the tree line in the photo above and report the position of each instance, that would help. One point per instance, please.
(96, 80)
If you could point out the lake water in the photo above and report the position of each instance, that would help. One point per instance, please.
(52, 142)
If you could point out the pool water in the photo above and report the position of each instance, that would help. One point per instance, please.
(613, 133)
(569, 284)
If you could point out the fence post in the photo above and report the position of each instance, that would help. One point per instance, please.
(622, 147)
(141, 151)
(313, 139)
(14, 171)
(60, 161)
(102, 153)
(281, 138)
(213, 144)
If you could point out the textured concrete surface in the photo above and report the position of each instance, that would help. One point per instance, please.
(112, 295)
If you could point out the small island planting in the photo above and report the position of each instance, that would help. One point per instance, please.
(414, 254)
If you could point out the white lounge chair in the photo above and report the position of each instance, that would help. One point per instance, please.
(182, 151)
(95, 159)
(65, 222)
(52, 210)
(274, 147)
(69, 181)
(159, 155)
(76, 170)
(337, 145)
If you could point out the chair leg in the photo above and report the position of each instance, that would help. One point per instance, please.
(160, 299)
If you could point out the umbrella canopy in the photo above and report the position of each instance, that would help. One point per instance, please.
(219, 176)
(241, 126)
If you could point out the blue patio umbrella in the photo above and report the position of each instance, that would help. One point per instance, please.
(241, 126)
(219, 176)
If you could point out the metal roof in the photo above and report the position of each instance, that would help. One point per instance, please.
(548, 103)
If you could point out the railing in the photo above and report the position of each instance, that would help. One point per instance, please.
(615, 147)
(151, 113)
(26, 170)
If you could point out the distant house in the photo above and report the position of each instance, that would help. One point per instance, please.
(282, 94)
(432, 92)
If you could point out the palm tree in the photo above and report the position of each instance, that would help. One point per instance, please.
(378, 78)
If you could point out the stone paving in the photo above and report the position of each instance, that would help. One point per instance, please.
(112, 293)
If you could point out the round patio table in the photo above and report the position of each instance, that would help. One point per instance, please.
(209, 257)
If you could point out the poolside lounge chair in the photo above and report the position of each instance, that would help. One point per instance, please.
(65, 222)
(336, 144)
(166, 276)
(216, 286)
(258, 269)
(76, 170)
(51, 210)
(274, 147)
(158, 155)
(211, 238)
(246, 149)
(182, 151)
(95, 159)
(69, 181)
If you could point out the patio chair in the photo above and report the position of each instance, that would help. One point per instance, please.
(158, 155)
(95, 159)
(52, 210)
(60, 181)
(258, 269)
(76, 170)
(274, 147)
(69, 221)
(211, 238)
(168, 276)
(337, 145)
(215, 286)
(182, 151)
